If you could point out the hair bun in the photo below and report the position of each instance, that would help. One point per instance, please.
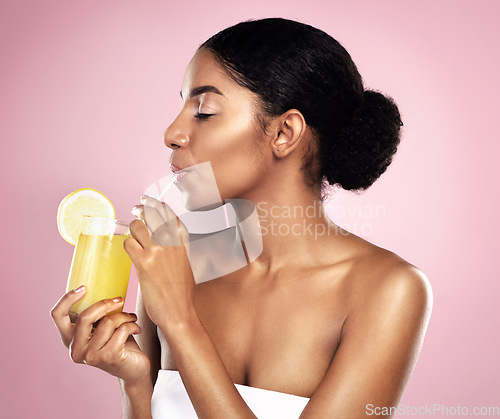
(364, 147)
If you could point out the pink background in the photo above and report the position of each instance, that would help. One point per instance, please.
(87, 89)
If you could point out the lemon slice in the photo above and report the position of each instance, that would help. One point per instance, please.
(85, 201)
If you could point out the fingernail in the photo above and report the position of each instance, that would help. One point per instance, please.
(117, 300)
(79, 289)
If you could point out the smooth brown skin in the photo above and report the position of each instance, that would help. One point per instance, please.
(335, 318)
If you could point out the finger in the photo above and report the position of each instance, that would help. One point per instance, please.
(138, 211)
(175, 228)
(152, 219)
(133, 248)
(182, 232)
(107, 327)
(60, 313)
(140, 232)
(162, 233)
(165, 212)
(121, 336)
(84, 324)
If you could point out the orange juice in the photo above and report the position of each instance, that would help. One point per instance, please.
(102, 265)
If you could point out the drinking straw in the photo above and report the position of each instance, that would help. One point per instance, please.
(170, 182)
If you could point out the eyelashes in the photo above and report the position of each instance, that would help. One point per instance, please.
(203, 115)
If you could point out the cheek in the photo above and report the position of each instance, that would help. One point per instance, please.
(238, 162)
(234, 144)
(240, 171)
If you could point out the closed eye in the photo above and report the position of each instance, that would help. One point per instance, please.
(203, 115)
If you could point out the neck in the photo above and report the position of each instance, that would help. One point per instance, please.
(292, 227)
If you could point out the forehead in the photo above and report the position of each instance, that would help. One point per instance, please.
(203, 70)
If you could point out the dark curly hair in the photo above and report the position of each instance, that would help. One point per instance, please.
(291, 65)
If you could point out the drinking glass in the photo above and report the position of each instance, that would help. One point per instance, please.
(100, 262)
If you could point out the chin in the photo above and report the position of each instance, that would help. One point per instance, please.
(193, 203)
(197, 194)
(199, 188)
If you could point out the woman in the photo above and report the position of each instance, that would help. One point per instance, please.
(327, 320)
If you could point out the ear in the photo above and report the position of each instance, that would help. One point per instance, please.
(290, 128)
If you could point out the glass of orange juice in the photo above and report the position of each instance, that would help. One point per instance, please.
(100, 262)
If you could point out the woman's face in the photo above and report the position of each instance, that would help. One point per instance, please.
(216, 130)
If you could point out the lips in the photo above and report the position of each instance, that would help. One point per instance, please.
(179, 173)
(174, 168)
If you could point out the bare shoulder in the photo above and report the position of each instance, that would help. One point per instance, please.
(385, 280)
(396, 274)
(387, 303)
(403, 280)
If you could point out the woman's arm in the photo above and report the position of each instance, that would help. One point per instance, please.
(109, 346)
(209, 386)
(379, 347)
(167, 286)
(136, 399)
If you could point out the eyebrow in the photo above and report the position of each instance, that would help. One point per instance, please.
(203, 89)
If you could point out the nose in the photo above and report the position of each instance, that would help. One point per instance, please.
(175, 137)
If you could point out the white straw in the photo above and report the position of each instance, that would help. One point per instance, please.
(167, 186)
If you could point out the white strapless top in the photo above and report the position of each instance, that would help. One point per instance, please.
(170, 400)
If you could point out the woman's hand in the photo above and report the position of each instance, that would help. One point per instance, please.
(157, 249)
(110, 346)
